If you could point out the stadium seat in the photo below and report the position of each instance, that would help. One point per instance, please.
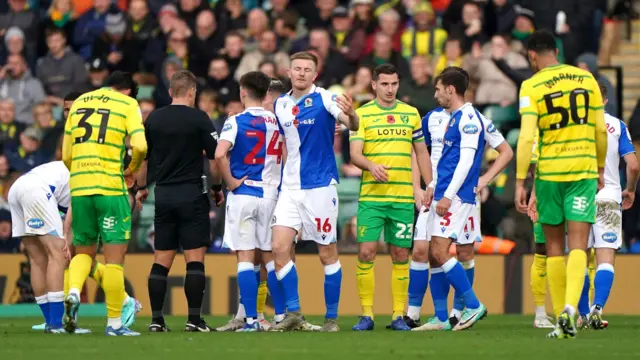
(501, 115)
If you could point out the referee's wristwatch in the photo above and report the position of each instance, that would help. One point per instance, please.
(216, 188)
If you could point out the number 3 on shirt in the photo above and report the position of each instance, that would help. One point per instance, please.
(252, 159)
(86, 114)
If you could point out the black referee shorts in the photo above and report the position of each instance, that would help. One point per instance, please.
(181, 217)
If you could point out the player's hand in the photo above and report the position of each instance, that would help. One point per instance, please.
(379, 172)
(129, 179)
(428, 197)
(236, 183)
(345, 104)
(521, 199)
(218, 196)
(532, 209)
(338, 129)
(66, 251)
(482, 183)
(443, 206)
(418, 198)
(628, 197)
(141, 196)
(600, 181)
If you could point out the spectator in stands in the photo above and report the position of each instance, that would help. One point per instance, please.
(146, 107)
(221, 79)
(98, 73)
(8, 244)
(205, 42)
(267, 50)
(60, 15)
(321, 18)
(589, 62)
(208, 102)
(278, 8)
(335, 67)
(61, 71)
(233, 107)
(470, 28)
(285, 26)
(494, 86)
(170, 66)
(90, 26)
(9, 130)
(418, 90)
(26, 155)
(363, 10)
(5, 173)
(142, 23)
(51, 129)
(257, 24)
(17, 83)
(383, 53)
(423, 38)
(22, 17)
(117, 45)
(505, 16)
(268, 67)
(14, 45)
(177, 48)
(452, 56)
(231, 15)
(188, 11)
(389, 22)
(349, 40)
(233, 50)
(358, 86)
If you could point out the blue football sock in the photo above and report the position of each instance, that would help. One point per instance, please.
(458, 279)
(603, 283)
(256, 270)
(275, 290)
(288, 277)
(56, 308)
(43, 302)
(418, 282)
(583, 304)
(470, 269)
(248, 289)
(332, 284)
(439, 293)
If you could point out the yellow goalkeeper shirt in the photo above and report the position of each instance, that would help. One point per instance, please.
(564, 105)
(94, 142)
(388, 135)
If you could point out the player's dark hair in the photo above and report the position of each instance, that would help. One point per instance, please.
(455, 78)
(256, 83)
(304, 55)
(603, 90)
(386, 69)
(120, 80)
(72, 96)
(181, 82)
(542, 41)
(277, 86)
(460, 70)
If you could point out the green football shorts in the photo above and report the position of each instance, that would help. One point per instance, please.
(99, 217)
(571, 201)
(538, 234)
(396, 219)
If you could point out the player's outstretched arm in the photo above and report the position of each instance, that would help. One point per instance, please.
(505, 154)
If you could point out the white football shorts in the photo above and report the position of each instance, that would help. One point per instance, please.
(312, 212)
(34, 209)
(247, 222)
(607, 230)
(422, 224)
(453, 224)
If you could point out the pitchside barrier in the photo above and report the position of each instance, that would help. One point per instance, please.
(501, 282)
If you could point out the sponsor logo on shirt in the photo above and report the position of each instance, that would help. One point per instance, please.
(35, 223)
(491, 128)
(470, 129)
(334, 97)
(226, 127)
(397, 132)
(609, 237)
(214, 135)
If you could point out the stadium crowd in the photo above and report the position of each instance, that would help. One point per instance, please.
(50, 48)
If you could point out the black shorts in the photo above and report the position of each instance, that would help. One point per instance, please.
(181, 217)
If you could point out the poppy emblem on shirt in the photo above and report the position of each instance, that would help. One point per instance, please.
(390, 119)
(295, 110)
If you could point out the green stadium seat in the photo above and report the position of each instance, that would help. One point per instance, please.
(501, 115)
(145, 92)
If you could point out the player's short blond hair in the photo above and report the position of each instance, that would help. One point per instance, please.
(181, 82)
(305, 55)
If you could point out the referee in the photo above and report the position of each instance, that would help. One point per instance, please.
(176, 135)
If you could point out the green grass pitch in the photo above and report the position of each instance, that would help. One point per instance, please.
(497, 337)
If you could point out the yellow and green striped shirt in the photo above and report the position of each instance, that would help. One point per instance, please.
(388, 135)
(94, 141)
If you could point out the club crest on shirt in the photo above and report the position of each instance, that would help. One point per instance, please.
(390, 119)
(404, 119)
(452, 122)
(308, 102)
